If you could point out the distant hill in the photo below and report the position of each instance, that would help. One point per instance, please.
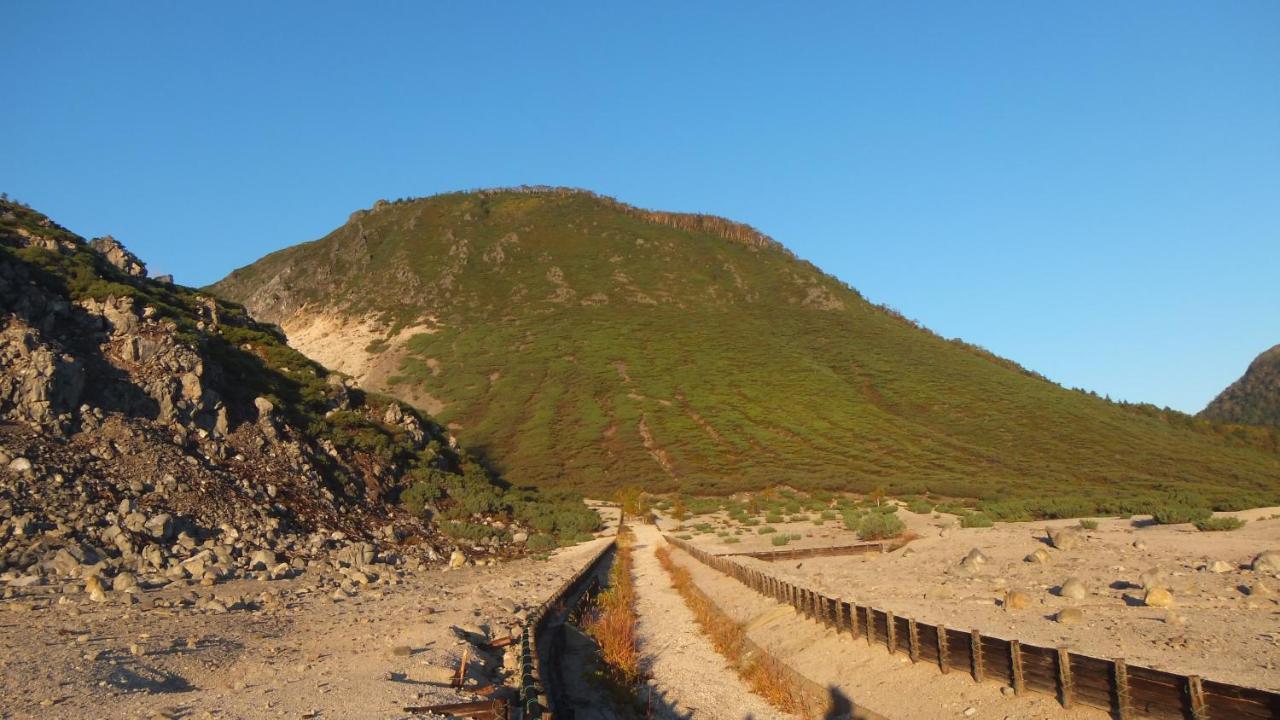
(575, 341)
(1254, 399)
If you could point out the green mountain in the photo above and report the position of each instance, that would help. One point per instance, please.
(1254, 399)
(573, 340)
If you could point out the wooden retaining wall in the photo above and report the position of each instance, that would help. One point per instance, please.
(863, 548)
(1126, 691)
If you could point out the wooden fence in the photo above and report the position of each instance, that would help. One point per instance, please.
(863, 548)
(1126, 691)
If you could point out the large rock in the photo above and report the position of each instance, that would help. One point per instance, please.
(1070, 616)
(118, 255)
(1267, 561)
(160, 526)
(1067, 538)
(1039, 557)
(357, 555)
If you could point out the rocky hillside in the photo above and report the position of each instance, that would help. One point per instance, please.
(1254, 399)
(577, 341)
(152, 431)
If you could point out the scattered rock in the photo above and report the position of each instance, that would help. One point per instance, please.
(1016, 600)
(1040, 557)
(1073, 589)
(1220, 566)
(20, 466)
(457, 559)
(1158, 597)
(1070, 616)
(1066, 538)
(1267, 561)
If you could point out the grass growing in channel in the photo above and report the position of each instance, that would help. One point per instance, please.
(764, 675)
(612, 623)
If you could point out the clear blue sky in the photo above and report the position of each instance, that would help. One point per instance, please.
(1091, 189)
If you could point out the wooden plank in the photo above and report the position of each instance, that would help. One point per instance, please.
(1065, 691)
(891, 632)
(1015, 667)
(1195, 691)
(975, 654)
(913, 638)
(943, 650)
(1121, 679)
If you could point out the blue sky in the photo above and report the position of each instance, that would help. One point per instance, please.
(1091, 189)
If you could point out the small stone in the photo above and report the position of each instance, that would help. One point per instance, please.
(457, 559)
(1151, 578)
(1139, 544)
(1069, 616)
(970, 711)
(1158, 597)
(1040, 557)
(1073, 589)
(19, 465)
(1220, 566)
(1016, 600)
(1066, 538)
(124, 582)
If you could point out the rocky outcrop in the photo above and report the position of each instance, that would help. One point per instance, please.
(119, 256)
(150, 434)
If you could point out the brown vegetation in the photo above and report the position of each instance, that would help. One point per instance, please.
(767, 677)
(613, 623)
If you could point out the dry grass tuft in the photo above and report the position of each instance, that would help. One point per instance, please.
(767, 677)
(613, 623)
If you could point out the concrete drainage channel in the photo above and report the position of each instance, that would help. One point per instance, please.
(541, 693)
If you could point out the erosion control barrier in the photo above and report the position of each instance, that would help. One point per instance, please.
(864, 548)
(539, 679)
(1126, 691)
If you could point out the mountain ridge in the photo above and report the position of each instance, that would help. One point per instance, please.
(1253, 399)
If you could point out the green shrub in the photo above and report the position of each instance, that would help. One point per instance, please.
(685, 537)
(541, 543)
(976, 520)
(780, 540)
(880, 526)
(731, 540)
(829, 515)
(1089, 524)
(1176, 514)
(751, 522)
(1219, 523)
(773, 517)
(767, 529)
(1006, 510)
(920, 506)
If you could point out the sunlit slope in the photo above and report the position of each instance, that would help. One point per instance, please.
(573, 340)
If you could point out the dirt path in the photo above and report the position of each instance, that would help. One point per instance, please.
(689, 678)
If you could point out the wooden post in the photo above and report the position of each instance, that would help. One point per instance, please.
(1122, 689)
(1015, 660)
(1064, 677)
(1199, 709)
(871, 625)
(913, 640)
(854, 630)
(943, 664)
(975, 652)
(891, 632)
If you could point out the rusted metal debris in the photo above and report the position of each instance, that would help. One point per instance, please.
(479, 710)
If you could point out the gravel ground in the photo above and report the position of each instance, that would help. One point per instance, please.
(1216, 627)
(690, 680)
(366, 656)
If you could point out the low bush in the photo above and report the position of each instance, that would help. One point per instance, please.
(1089, 524)
(1219, 523)
(880, 526)
(920, 506)
(1176, 514)
(731, 540)
(767, 529)
(779, 540)
(976, 520)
